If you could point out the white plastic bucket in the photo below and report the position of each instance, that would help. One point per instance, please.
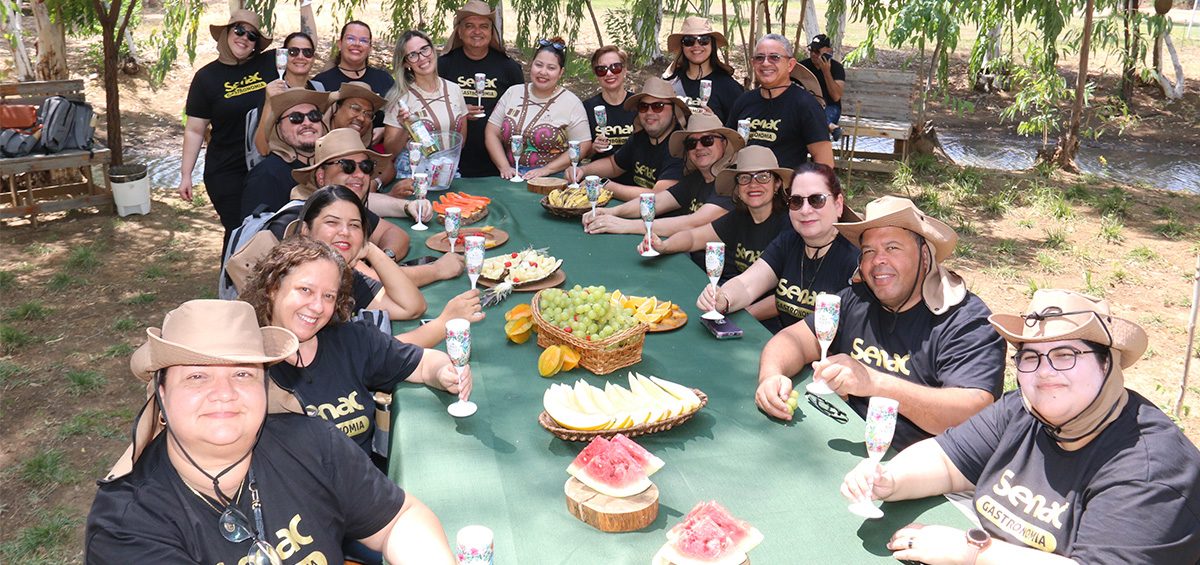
(131, 189)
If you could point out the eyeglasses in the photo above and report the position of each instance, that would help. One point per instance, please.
(615, 68)
(644, 107)
(367, 166)
(690, 40)
(240, 30)
(313, 116)
(359, 109)
(817, 201)
(761, 177)
(352, 39)
(823, 406)
(773, 57)
(235, 527)
(551, 44)
(413, 56)
(706, 140)
(1060, 358)
(308, 52)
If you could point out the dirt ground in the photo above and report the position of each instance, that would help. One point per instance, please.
(77, 293)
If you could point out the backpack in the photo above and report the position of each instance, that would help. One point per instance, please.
(66, 124)
(252, 155)
(250, 242)
(19, 143)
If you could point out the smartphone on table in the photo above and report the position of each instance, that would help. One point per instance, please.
(722, 329)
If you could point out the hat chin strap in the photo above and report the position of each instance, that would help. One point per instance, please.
(1085, 426)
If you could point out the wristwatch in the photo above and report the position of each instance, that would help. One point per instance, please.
(391, 254)
(979, 540)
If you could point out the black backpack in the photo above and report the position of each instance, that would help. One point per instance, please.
(66, 124)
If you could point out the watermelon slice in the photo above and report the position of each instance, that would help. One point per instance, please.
(743, 535)
(646, 459)
(609, 470)
(709, 535)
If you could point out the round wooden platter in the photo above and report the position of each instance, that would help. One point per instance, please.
(609, 514)
(441, 242)
(552, 280)
(674, 321)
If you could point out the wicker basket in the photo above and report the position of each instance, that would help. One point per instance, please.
(543, 185)
(600, 357)
(639, 430)
(575, 212)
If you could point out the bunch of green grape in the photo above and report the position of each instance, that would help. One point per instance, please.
(793, 401)
(588, 312)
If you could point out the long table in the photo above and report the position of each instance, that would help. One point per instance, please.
(501, 469)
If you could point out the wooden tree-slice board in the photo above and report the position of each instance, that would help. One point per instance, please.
(609, 514)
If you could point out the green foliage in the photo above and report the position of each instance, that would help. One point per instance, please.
(155, 272)
(83, 259)
(1173, 229)
(8, 280)
(96, 424)
(1005, 247)
(125, 324)
(62, 281)
(1110, 229)
(41, 542)
(1114, 202)
(82, 382)
(1092, 287)
(1048, 263)
(181, 20)
(31, 311)
(45, 469)
(12, 339)
(1056, 239)
(9, 370)
(141, 298)
(1143, 254)
(119, 350)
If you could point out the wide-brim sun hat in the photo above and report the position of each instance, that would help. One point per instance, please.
(695, 25)
(753, 159)
(281, 105)
(357, 89)
(658, 88)
(473, 8)
(891, 211)
(242, 17)
(810, 83)
(706, 123)
(335, 145)
(1060, 315)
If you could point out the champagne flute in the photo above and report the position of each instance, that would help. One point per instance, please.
(420, 189)
(705, 92)
(744, 129)
(414, 157)
(458, 346)
(881, 426)
(714, 265)
(480, 86)
(646, 202)
(453, 222)
(574, 153)
(591, 184)
(517, 144)
(601, 114)
(827, 311)
(281, 61)
(474, 245)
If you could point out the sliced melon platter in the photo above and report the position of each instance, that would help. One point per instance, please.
(647, 400)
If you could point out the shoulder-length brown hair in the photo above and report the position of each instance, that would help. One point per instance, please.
(281, 261)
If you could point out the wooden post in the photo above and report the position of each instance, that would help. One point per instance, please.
(599, 36)
(1187, 360)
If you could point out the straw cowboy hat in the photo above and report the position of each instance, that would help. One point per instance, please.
(943, 288)
(706, 123)
(334, 145)
(753, 158)
(1058, 315)
(204, 332)
(658, 88)
(472, 8)
(241, 17)
(698, 25)
(281, 105)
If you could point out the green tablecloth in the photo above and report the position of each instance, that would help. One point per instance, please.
(501, 469)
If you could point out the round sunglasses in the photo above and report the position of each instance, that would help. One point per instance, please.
(817, 201)
(615, 68)
(297, 118)
(367, 166)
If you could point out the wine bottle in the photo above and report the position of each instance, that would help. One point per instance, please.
(418, 133)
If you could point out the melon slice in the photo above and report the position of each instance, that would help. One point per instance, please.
(556, 404)
(685, 394)
(744, 536)
(612, 472)
(644, 458)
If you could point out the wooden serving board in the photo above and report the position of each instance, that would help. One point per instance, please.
(609, 514)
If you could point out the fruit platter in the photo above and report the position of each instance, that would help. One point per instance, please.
(610, 486)
(606, 336)
(660, 315)
(493, 237)
(474, 208)
(522, 271)
(708, 535)
(649, 405)
(573, 202)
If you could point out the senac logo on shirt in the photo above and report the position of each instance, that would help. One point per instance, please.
(346, 406)
(872, 355)
(290, 542)
(1022, 499)
(796, 301)
(249, 83)
(644, 176)
(764, 130)
(468, 86)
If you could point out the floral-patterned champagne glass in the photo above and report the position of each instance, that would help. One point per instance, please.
(601, 114)
(474, 245)
(414, 157)
(420, 189)
(591, 184)
(517, 145)
(573, 151)
(453, 222)
(646, 201)
(474, 546)
(705, 92)
(827, 311)
(714, 265)
(281, 61)
(881, 426)
(480, 86)
(458, 347)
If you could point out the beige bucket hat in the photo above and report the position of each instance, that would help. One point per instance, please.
(334, 145)
(707, 123)
(1057, 315)
(753, 158)
(658, 88)
(281, 105)
(356, 89)
(694, 25)
(241, 17)
(472, 8)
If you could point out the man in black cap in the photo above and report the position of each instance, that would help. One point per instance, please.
(832, 77)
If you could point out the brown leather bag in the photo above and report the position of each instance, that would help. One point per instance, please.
(17, 116)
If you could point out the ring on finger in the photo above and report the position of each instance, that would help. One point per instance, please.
(910, 543)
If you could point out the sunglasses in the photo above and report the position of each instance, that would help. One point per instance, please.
(551, 44)
(308, 52)
(773, 57)
(421, 53)
(817, 201)
(615, 68)
(823, 406)
(644, 107)
(240, 30)
(690, 40)
(235, 527)
(761, 177)
(707, 140)
(367, 166)
(313, 116)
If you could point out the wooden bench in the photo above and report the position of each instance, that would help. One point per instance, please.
(881, 104)
(41, 183)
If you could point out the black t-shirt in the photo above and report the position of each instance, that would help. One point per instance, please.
(619, 126)
(725, 91)
(378, 79)
(1128, 496)
(365, 289)
(786, 124)
(223, 94)
(692, 192)
(647, 163)
(835, 68)
(745, 241)
(502, 72)
(802, 278)
(269, 183)
(956, 349)
(352, 360)
(316, 489)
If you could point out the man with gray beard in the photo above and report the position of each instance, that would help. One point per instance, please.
(296, 122)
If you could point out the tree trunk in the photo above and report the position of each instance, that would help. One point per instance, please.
(52, 44)
(839, 33)
(16, 42)
(1171, 91)
(1068, 144)
(591, 12)
(112, 99)
(985, 79)
(803, 16)
(1127, 65)
(500, 20)
(812, 25)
